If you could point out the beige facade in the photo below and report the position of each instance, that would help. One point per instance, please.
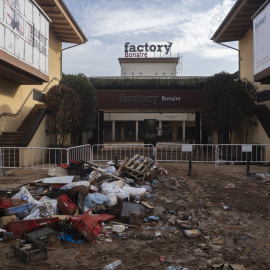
(238, 27)
(159, 66)
(12, 95)
(20, 76)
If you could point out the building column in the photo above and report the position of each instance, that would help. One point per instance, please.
(113, 131)
(184, 131)
(197, 128)
(137, 131)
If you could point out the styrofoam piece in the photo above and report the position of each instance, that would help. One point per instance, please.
(57, 180)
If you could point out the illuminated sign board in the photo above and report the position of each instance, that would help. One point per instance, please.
(24, 33)
(143, 50)
(261, 39)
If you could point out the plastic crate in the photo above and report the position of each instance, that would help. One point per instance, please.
(6, 202)
(21, 227)
(88, 227)
(36, 252)
(65, 205)
(97, 218)
(44, 236)
(20, 211)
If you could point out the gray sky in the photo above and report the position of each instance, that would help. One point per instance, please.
(188, 24)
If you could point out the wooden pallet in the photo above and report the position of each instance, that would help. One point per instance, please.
(140, 167)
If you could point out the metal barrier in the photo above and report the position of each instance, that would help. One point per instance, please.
(180, 153)
(45, 158)
(105, 152)
(82, 152)
(32, 157)
(242, 153)
(1, 165)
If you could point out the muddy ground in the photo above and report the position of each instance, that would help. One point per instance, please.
(238, 236)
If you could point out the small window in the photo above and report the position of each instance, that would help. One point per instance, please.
(172, 73)
(164, 73)
(132, 73)
(156, 73)
(125, 73)
(140, 73)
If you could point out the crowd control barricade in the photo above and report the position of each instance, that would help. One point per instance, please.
(173, 152)
(45, 158)
(242, 153)
(106, 152)
(82, 152)
(33, 157)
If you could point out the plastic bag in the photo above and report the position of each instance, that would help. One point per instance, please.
(119, 183)
(134, 191)
(113, 200)
(24, 194)
(75, 184)
(121, 194)
(47, 208)
(110, 170)
(95, 198)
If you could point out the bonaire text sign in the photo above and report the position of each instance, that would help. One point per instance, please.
(142, 50)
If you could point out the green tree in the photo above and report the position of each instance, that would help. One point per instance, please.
(227, 106)
(63, 108)
(86, 120)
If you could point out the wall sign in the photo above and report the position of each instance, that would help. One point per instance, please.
(151, 99)
(142, 50)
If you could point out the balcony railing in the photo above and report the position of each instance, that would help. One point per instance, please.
(148, 83)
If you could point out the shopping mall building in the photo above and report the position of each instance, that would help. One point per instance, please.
(149, 88)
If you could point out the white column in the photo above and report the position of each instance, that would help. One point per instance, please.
(184, 131)
(137, 131)
(113, 131)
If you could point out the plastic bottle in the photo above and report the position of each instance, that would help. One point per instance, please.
(176, 268)
(113, 265)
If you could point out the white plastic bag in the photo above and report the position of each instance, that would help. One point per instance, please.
(121, 194)
(134, 191)
(47, 208)
(118, 183)
(24, 194)
(113, 200)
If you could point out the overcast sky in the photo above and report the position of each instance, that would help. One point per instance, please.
(188, 24)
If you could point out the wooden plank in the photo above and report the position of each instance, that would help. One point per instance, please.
(147, 205)
(122, 165)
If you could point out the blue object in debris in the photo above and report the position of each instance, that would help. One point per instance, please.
(67, 237)
(151, 218)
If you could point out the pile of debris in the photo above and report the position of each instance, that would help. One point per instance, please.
(75, 208)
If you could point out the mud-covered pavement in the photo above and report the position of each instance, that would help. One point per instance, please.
(230, 209)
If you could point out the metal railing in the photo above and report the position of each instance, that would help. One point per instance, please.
(175, 153)
(45, 158)
(82, 152)
(32, 157)
(106, 152)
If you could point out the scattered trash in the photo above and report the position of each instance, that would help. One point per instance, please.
(151, 218)
(118, 228)
(113, 265)
(176, 268)
(192, 233)
(162, 259)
